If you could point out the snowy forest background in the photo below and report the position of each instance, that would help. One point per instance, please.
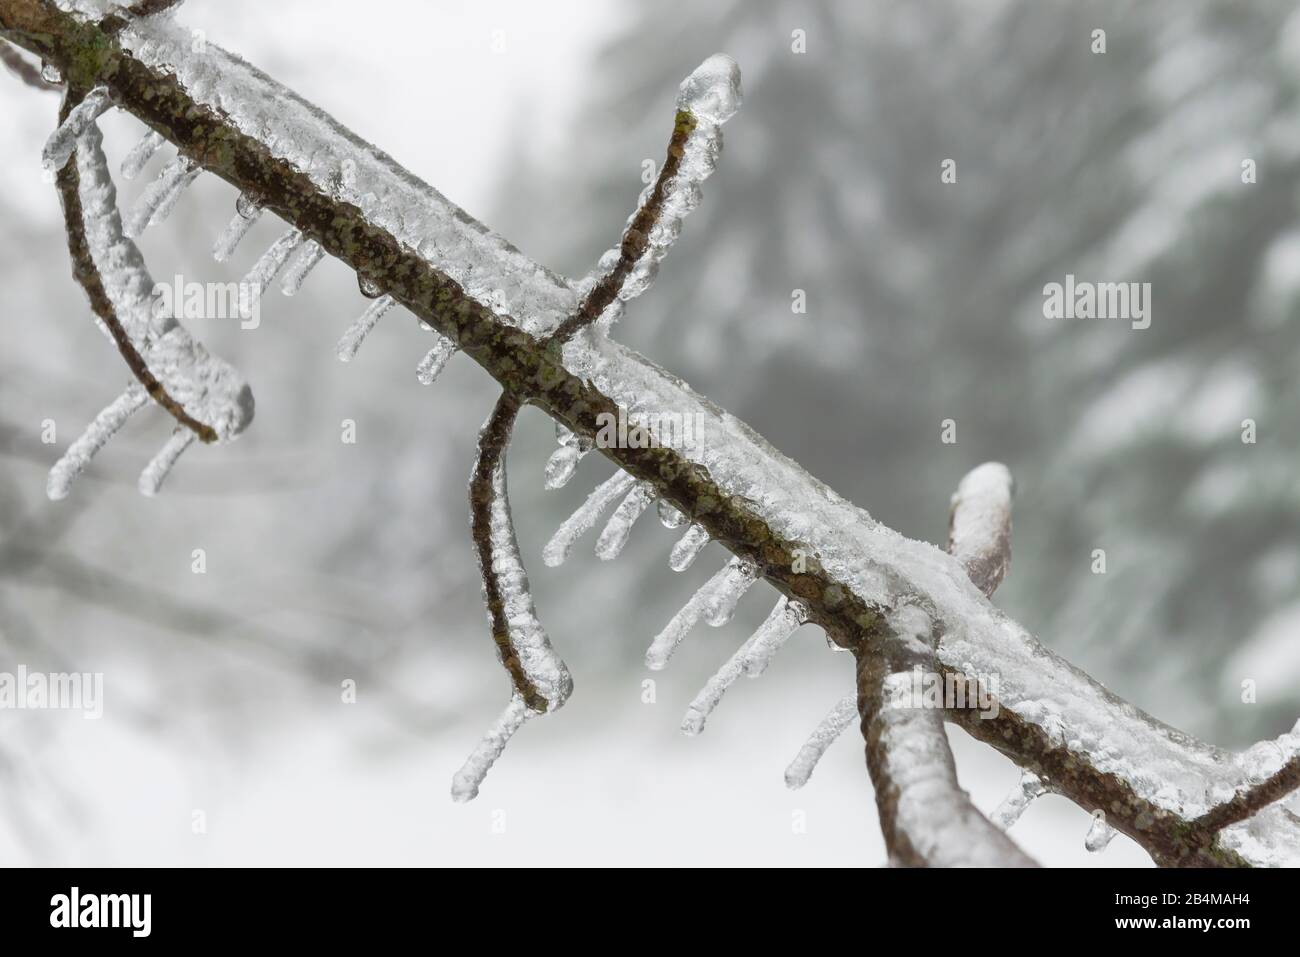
(329, 561)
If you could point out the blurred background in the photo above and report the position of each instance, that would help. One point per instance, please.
(225, 739)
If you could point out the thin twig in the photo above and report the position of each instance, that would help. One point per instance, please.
(635, 238)
(87, 274)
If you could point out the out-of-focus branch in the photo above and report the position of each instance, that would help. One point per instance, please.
(21, 68)
(927, 819)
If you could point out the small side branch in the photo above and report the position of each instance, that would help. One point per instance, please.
(636, 238)
(927, 819)
(87, 274)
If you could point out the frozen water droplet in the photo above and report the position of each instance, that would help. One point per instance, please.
(1099, 835)
(51, 73)
(246, 206)
(369, 288)
(670, 515)
(713, 91)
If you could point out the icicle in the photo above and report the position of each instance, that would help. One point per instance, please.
(687, 547)
(465, 785)
(1027, 790)
(51, 73)
(670, 515)
(666, 642)
(619, 527)
(721, 605)
(246, 214)
(141, 154)
(59, 147)
(1099, 835)
(301, 267)
(435, 360)
(577, 524)
(784, 621)
(270, 263)
(360, 328)
(564, 460)
(710, 695)
(156, 472)
(159, 198)
(101, 429)
(840, 717)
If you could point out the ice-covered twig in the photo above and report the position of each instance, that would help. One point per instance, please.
(1027, 790)
(831, 727)
(1097, 749)
(708, 98)
(465, 784)
(710, 695)
(979, 524)
(161, 465)
(927, 819)
(539, 678)
(435, 360)
(92, 223)
(269, 264)
(102, 428)
(73, 122)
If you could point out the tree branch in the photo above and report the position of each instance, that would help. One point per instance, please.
(850, 571)
(927, 819)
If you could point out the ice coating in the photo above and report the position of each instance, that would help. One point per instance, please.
(712, 92)
(344, 166)
(618, 529)
(161, 465)
(1099, 835)
(245, 216)
(307, 259)
(720, 606)
(466, 782)
(1028, 789)
(159, 198)
(435, 360)
(269, 264)
(832, 726)
(710, 695)
(356, 333)
(782, 622)
(666, 642)
(528, 638)
(140, 154)
(979, 527)
(670, 515)
(881, 567)
(102, 428)
(687, 548)
(58, 148)
(581, 521)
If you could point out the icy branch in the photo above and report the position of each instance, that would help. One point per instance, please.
(499, 307)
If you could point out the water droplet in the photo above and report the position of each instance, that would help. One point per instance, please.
(246, 206)
(51, 73)
(369, 288)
